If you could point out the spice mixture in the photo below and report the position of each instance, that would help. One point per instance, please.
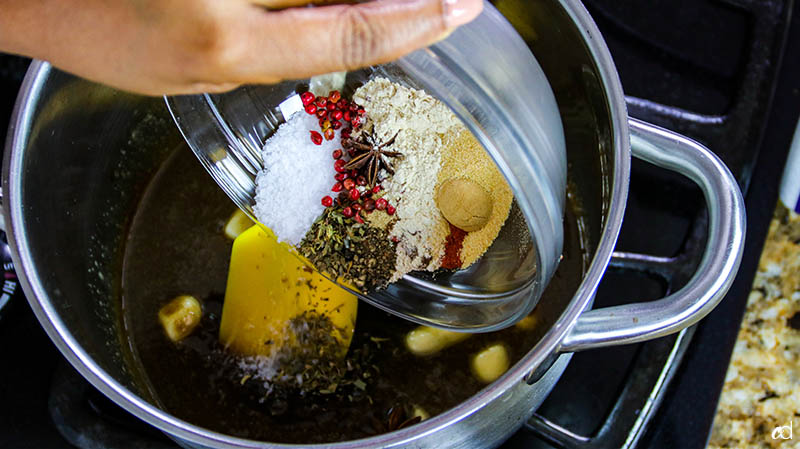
(359, 253)
(464, 157)
(310, 364)
(452, 249)
(397, 183)
(423, 124)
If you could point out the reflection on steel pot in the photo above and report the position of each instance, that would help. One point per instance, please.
(79, 156)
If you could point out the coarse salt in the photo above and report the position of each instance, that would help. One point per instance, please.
(296, 175)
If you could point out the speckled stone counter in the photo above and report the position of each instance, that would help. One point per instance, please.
(760, 402)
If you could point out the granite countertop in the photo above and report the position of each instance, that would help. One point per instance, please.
(761, 394)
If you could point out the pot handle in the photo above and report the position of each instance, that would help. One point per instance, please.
(637, 322)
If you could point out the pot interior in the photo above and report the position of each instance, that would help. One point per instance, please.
(90, 175)
(175, 246)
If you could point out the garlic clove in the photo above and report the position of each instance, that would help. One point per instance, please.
(490, 363)
(426, 340)
(237, 223)
(180, 316)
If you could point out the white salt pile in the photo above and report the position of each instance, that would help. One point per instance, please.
(296, 175)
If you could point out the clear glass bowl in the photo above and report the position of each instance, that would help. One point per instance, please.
(487, 75)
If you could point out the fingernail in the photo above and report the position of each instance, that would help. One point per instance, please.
(459, 12)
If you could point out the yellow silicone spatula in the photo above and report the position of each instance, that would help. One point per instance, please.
(267, 287)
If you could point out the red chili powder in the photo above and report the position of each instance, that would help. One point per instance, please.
(452, 248)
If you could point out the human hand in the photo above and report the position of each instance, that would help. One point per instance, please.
(159, 47)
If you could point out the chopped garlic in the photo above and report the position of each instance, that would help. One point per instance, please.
(490, 363)
(180, 316)
(237, 223)
(421, 412)
(428, 340)
(527, 323)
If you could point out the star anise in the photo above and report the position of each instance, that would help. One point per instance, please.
(370, 155)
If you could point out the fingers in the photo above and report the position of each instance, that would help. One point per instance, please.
(210, 88)
(300, 42)
(281, 4)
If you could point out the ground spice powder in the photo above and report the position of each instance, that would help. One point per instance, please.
(452, 248)
(464, 157)
(420, 123)
(436, 147)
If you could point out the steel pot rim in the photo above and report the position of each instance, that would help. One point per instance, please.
(548, 345)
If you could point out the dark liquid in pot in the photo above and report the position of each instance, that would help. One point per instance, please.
(176, 246)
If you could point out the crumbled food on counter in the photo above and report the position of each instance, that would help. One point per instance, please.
(762, 387)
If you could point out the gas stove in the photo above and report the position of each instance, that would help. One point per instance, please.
(724, 72)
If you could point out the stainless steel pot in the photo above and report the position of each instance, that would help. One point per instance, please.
(78, 155)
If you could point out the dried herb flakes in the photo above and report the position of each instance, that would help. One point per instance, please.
(360, 254)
